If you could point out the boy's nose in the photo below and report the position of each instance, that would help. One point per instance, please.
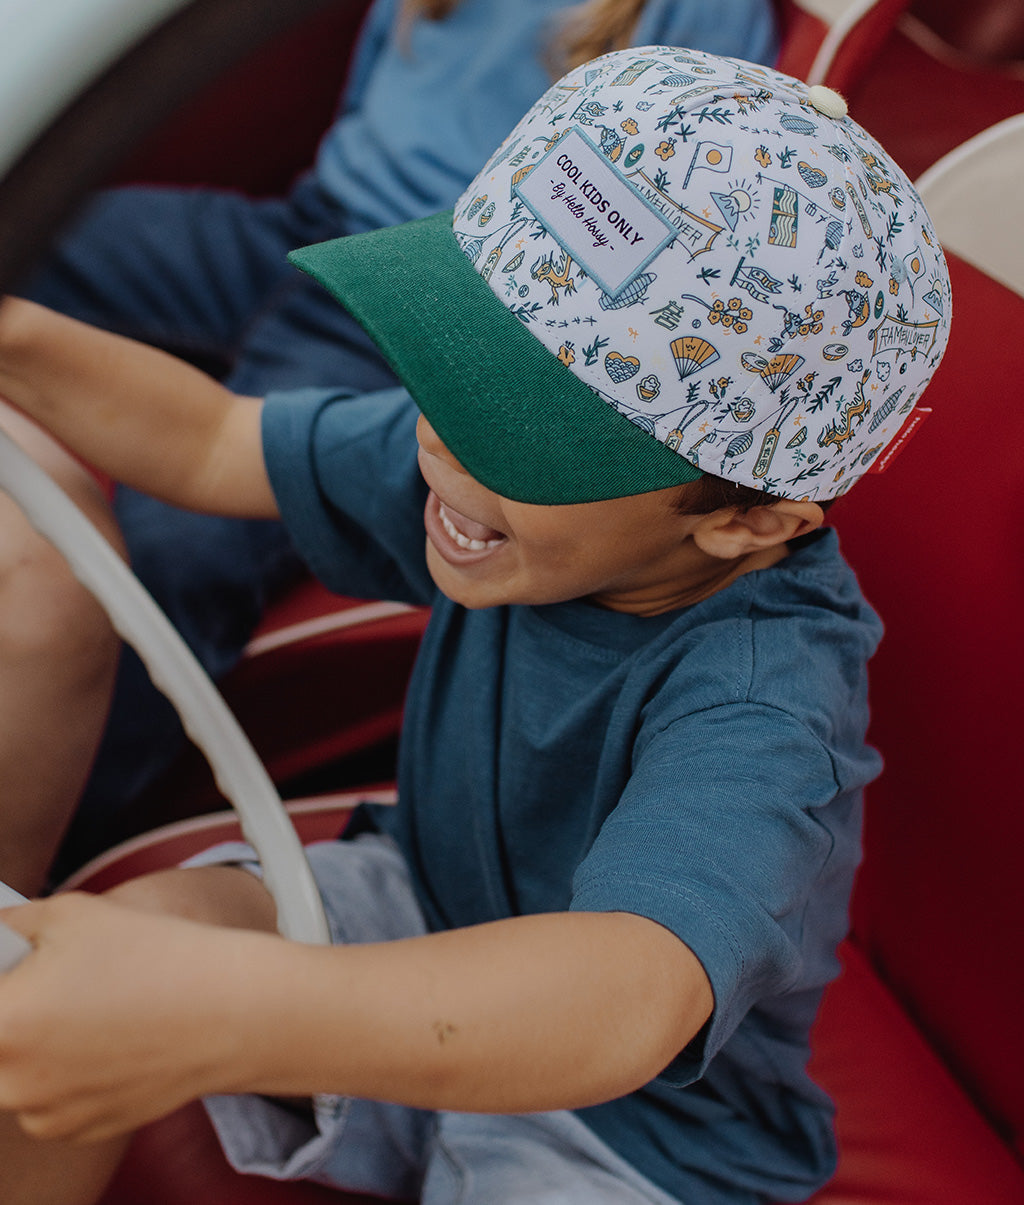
(431, 443)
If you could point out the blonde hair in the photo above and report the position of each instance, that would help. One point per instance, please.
(584, 31)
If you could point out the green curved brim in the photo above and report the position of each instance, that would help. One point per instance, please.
(515, 417)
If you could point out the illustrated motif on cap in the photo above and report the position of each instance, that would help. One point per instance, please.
(723, 256)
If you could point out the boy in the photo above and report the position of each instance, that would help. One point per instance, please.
(687, 304)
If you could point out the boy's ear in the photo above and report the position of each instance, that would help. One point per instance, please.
(730, 532)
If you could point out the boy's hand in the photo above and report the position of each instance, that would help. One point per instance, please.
(117, 1017)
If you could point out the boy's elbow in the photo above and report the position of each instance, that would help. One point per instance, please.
(654, 1001)
(673, 999)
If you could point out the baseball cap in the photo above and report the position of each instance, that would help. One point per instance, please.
(675, 264)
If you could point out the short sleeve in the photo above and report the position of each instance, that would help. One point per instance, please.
(343, 470)
(734, 834)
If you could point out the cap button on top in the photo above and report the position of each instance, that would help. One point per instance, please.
(827, 102)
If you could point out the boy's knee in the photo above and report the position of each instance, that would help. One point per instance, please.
(46, 615)
(214, 895)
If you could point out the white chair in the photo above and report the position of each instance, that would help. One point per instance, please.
(970, 191)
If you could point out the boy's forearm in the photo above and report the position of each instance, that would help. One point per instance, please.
(120, 1015)
(138, 414)
(544, 1012)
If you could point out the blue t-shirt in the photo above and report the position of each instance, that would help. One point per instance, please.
(426, 107)
(702, 768)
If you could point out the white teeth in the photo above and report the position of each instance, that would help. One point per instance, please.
(460, 538)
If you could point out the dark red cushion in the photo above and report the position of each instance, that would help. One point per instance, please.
(259, 124)
(937, 541)
(321, 690)
(803, 34)
(908, 1132)
(964, 98)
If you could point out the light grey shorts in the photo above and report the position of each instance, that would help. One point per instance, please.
(399, 1152)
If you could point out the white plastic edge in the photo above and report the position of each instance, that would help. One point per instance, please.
(323, 625)
(958, 159)
(51, 50)
(956, 189)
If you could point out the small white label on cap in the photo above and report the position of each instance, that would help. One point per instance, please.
(607, 227)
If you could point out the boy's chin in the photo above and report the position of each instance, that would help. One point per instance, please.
(456, 584)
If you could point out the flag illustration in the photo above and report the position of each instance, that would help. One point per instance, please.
(782, 231)
(712, 156)
(914, 267)
(758, 283)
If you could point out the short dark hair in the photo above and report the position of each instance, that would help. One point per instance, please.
(709, 493)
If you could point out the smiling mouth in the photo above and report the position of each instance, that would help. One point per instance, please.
(459, 539)
(454, 523)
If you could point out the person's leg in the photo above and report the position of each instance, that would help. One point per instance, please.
(58, 654)
(183, 269)
(47, 1172)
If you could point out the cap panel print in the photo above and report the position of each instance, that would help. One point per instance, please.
(721, 255)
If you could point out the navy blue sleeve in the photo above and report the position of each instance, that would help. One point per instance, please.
(734, 834)
(343, 470)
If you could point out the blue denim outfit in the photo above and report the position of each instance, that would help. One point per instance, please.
(203, 274)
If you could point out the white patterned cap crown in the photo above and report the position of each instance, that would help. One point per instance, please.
(724, 257)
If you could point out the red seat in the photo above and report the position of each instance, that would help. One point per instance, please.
(258, 125)
(922, 97)
(319, 692)
(909, 1133)
(940, 897)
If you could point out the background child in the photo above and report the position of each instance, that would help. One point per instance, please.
(582, 955)
(433, 87)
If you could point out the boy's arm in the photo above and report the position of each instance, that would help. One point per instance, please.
(140, 415)
(540, 1012)
(554, 1011)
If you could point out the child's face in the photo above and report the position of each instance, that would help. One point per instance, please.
(627, 554)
